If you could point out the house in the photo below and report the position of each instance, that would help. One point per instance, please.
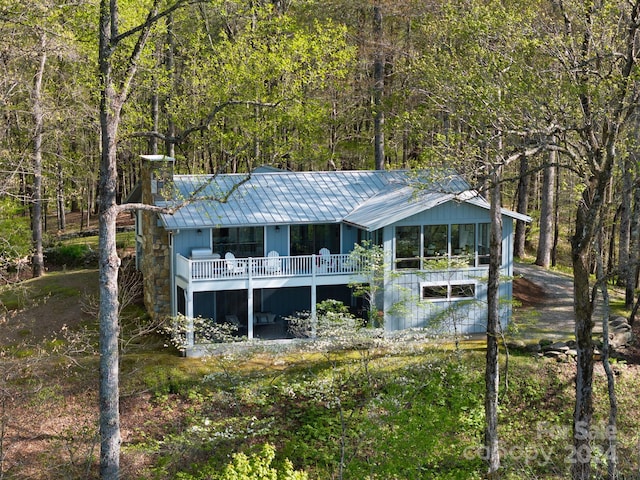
(254, 249)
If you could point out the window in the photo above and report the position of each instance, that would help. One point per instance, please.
(408, 247)
(241, 241)
(436, 241)
(309, 239)
(435, 292)
(448, 291)
(463, 241)
(483, 244)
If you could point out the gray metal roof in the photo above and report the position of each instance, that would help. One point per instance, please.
(368, 199)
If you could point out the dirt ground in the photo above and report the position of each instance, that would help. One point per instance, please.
(528, 293)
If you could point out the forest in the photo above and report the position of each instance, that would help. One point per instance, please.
(535, 103)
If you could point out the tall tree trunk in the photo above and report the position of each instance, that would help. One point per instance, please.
(492, 375)
(378, 89)
(109, 262)
(635, 236)
(37, 260)
(625, 261)
(556, 221)
(113, 95)
(60, 203)
(611, 437)
(170, 145)
(587, 218)
(522, 207)
(545, 241)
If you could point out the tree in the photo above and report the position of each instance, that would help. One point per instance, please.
(37, 261)
(520, 237)
(597, 56)
(378, 89)
(545, 238)
(115, 86)
(492, 375)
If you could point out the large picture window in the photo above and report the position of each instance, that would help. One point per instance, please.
(436, 240)
(464, 243)
(241, 241)
(309, 239)
(483, 244)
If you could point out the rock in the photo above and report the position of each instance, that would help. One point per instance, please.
(557, 346)
(534, 347)
(621, 327)
(618, 321)
(554, 354)
(619, 339)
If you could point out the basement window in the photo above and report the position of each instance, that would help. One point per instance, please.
(447, 291)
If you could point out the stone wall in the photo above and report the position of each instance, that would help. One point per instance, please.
(156, 254)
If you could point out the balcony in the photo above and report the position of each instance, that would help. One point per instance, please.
(195, 270)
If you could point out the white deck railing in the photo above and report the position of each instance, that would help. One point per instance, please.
(266, 267)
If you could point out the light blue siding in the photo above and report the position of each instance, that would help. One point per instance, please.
(277, 238)
(349, 238)
(186, 240)
(402, 290)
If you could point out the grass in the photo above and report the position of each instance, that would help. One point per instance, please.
(401, 411)
(397, 410)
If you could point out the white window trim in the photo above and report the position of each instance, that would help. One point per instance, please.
(449, 284)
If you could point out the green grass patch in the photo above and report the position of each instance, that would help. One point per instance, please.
(396, 412)
(54, 285)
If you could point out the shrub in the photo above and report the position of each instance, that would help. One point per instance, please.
(72, 255)
(15, 234)
(257, 466)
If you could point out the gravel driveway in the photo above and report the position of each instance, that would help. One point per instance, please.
(552, 317)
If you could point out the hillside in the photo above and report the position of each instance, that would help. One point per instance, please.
(179, 412)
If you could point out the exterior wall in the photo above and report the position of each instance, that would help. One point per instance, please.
(400, 299)
(156, 252)
(403, 306)
(277, 238)
(186, 240)
(349, 237)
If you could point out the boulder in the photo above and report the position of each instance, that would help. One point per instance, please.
(557, 346)
(618, 339)
(618, 321)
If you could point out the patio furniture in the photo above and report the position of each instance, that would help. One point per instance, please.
(325, 260)
(264, 318)
(272, 263)
(233, 265)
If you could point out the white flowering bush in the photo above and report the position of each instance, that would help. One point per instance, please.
(205, 330)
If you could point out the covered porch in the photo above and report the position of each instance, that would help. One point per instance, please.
(257, 294)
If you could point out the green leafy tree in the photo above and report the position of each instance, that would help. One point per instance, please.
(369, 259)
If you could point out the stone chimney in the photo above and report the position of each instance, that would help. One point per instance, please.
(156, 183)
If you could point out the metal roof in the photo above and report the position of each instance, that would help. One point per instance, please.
(369, 199)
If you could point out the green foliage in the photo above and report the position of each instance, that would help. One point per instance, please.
(72, 255)
(256, 466)
(15, 233)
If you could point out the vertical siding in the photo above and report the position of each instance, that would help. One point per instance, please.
(277, 238)
(185, 240)
(349, 237)
(403, 307)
